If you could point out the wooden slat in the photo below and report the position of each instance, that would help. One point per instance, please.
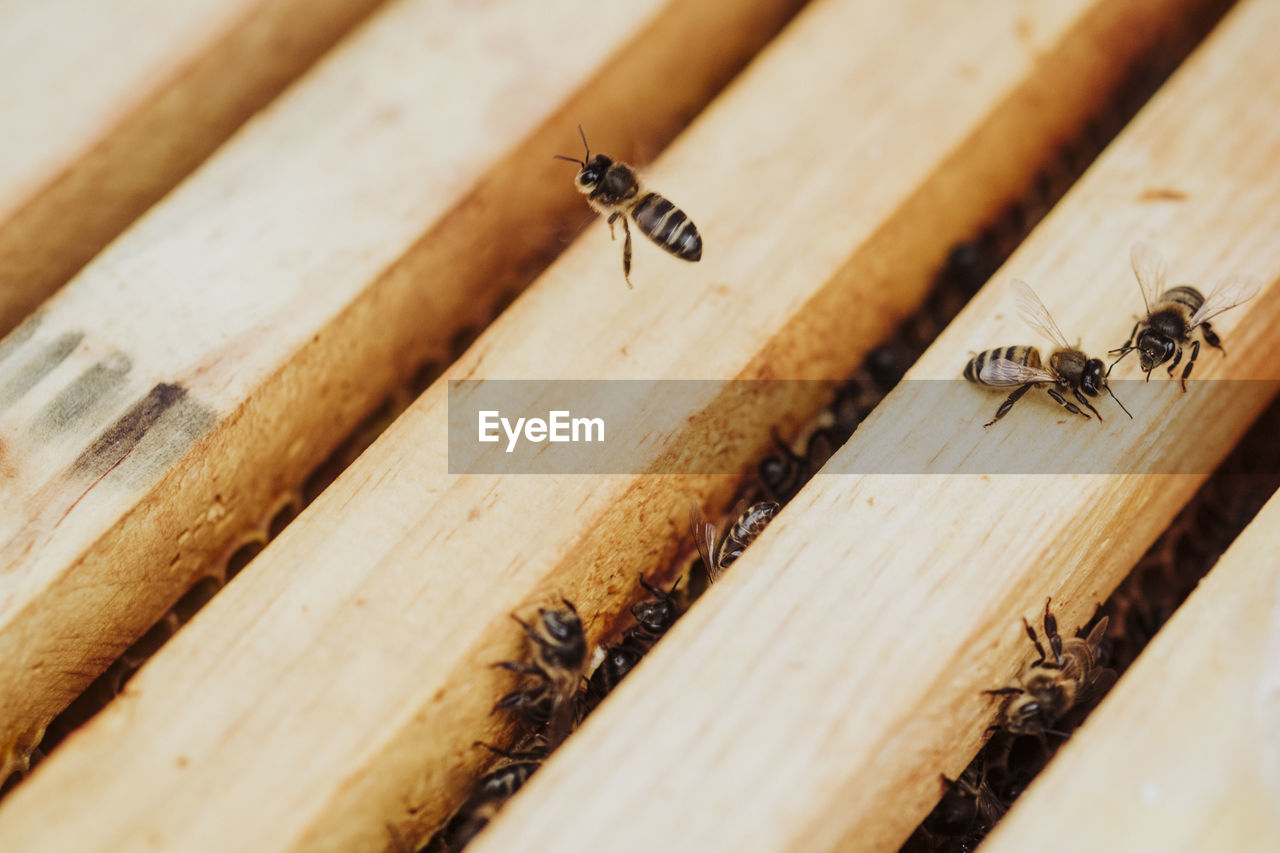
(340, 681)
(108, 105)
(811, 699)
(1185, 753)
(204, 364)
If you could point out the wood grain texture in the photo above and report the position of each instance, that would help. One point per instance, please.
(215, 354)
(108, 105)
(811, 699)
(1185, 753)
(340, 680)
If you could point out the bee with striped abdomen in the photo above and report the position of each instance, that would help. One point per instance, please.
(1051, 687)
(719, 552)
(1173, 314)
(1019, 367)
(613, 189)
(558, 652)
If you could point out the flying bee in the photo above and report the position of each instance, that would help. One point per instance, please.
(1069, 369)
(558, 651)
(1051, 687)
(719, 552)
(1173, 314)
(613, 189)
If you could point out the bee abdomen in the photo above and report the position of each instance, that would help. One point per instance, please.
(668, 226)
(1184, 295)
(1028, 356)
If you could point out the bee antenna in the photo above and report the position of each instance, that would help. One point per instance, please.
(570, 159)
(585, 146)
(1117, 399)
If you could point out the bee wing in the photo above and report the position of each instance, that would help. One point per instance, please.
(1001, 371)
(1097, 684)
(1230, 292)
(1035, 315)
(704, 537)
(1150, 270)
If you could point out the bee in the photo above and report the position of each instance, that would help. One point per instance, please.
(1053, 686)
(654, 617)
(969, 806)
(1069, 369)
(719, 552)
(1173, 314)
(613, 189)
(491, 791)
(558, 651)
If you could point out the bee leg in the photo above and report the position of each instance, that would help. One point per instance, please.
(1191, 362)
(1211, 338)
(626, 251)
(1031, 632)
(610, 220)
(1004, 691)
(522, 668)
(1070, 407)
(1051, 632)
(1081, 399)
(1008, 404)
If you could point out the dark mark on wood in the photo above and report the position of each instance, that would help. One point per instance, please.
(96, 386)
(37, 366)
(154, 432)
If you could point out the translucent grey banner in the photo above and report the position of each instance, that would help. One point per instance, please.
(708, 427)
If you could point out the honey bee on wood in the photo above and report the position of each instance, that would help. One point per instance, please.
(613, 189)
(1052, 686)
(719, 552)
(1173, 314)
(490, 792)
(968, 806)
(558, 651)
(1019, 367)
(654, 617)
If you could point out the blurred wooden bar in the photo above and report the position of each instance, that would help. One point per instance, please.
(108, 105)
(1185, 753)
(205, 363)
(338, 684)
(812, 698)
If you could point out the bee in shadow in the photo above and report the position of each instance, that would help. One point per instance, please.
(1070, 675)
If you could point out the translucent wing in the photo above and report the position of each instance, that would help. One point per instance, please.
(704, 537)
(1001, 371)
(1150, 270)
(1230, 292)
(1035, 315)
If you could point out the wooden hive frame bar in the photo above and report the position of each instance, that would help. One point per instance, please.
(108, 105)
(340, 681)
(159, 405)
(812, 699)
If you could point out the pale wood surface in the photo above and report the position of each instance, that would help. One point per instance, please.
(339, 681)
(1185, 753)
(810, 700)
(275, 298)
(108, 104)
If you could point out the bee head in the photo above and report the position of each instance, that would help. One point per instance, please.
(593, 168)
(1025, 716)
(1154, 349)
(1094, 378)
(592, 173)
(563, 643)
